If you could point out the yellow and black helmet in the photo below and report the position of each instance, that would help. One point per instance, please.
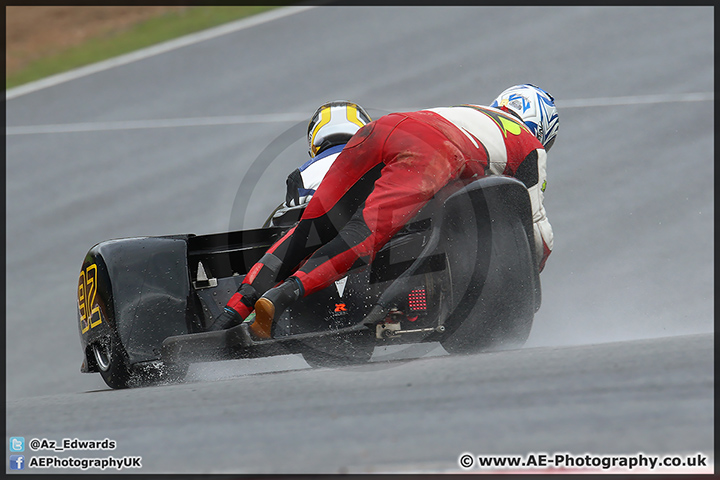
(333, 123)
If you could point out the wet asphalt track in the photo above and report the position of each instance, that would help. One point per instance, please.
(620, 359)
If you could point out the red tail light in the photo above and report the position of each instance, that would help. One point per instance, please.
(417, 300)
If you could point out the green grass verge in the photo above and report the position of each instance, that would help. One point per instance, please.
(144, 34)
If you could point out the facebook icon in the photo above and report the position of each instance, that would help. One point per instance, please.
(17, 462)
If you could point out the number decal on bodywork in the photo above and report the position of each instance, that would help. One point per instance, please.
(90, 315)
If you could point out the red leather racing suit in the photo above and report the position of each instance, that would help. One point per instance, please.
(384, 176)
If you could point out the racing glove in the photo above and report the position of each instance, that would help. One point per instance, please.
(294, 183)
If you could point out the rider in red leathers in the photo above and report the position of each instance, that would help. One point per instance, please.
(383, 177)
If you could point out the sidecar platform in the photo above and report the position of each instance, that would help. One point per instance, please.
(237, 342)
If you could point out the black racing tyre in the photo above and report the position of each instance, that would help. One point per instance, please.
(339, 351)
(112, 362)
(504, 307)
(116, 371)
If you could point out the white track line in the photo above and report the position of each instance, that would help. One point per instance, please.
(299, 117)
(155, 50)
(159, 123)
(636, 100)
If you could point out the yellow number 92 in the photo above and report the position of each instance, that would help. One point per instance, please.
(89, 310)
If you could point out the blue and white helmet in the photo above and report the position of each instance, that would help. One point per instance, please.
(535, 107)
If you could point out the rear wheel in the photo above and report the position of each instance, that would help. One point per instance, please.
(112, 362)
(499, 313)
(116, 371)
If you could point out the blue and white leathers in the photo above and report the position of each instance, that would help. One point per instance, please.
(312, 172)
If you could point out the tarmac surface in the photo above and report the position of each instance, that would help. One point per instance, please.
(620, 359)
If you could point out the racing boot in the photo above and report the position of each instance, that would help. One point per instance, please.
(228, 319)
(271, 305)
(237, 309)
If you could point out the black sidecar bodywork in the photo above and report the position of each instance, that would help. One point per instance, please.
(463, 272)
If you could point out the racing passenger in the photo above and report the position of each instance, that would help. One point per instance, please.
(383, 177)
(330, 128)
